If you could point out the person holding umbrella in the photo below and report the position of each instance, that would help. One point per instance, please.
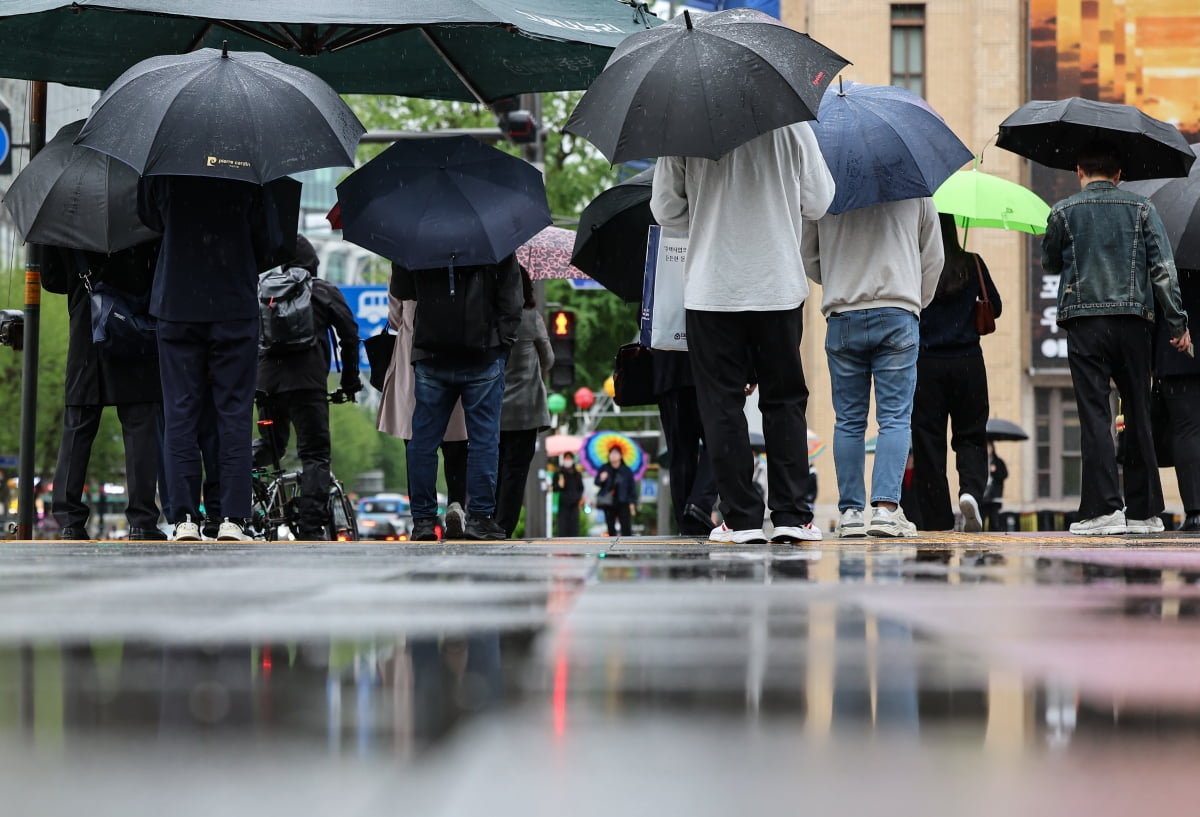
(1115, 265)
(952, 386)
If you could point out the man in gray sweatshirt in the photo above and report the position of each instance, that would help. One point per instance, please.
(744, 293)
(878, 267)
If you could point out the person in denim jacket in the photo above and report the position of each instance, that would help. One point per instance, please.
(1110, 250)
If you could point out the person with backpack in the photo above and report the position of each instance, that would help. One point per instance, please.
(952, 385)
(297, 312)
(466, 321)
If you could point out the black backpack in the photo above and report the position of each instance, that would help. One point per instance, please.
(456, 317)
(285, 311)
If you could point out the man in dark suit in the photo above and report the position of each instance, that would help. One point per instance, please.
(95, 380)
(205, 297)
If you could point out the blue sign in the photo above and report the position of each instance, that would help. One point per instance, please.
(370, 308)
(8, 460)
(585, 283)
(5, 142)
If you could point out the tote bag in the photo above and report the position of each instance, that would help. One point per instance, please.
(664, 324)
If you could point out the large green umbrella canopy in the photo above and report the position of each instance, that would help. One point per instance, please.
(437, 49)
(978, 199)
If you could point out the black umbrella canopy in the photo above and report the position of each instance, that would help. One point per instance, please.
(610, 244)
(437, 49)
(222, 114)
(702, 84)
(69, 196)
(1178, 204)
(1053, 132)
(1000, 430)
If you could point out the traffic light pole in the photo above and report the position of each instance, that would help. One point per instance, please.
(33, 320)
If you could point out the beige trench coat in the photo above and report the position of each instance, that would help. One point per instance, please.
(396, 406)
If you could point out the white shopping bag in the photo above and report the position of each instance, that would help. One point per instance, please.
(664, 324)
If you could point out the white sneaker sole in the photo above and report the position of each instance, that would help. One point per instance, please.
(891, 532)
(790, 538)
(1107, 530)
(972, 519)
(853, 532)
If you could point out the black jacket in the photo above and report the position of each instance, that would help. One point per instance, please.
(620, 482)
(502, 312)
(214, 232)
(1167, 361)
(310, 369)
(569, 484)
(92, 378)
(948, 326)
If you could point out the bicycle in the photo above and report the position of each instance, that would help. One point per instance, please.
(276, 493)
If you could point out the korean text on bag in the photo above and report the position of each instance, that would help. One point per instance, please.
(664, 319)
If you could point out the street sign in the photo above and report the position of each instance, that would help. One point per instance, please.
(585, 283)
(5, 141)
(8, 460)
(370, 308)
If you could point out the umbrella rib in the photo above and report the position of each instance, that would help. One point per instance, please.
(452, 65)
(252, 33)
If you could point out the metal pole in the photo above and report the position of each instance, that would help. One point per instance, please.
(33, 315)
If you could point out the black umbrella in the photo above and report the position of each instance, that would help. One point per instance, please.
(441, 201)
(1004, 430)
(231, 115)
(1053, 132)
(69, 196)
(610, 244)
(1178, 203)
(702, 84)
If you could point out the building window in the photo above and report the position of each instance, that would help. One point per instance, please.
(908, 47)
(1059, 463)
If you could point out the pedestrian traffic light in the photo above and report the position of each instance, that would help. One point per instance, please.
(562, 341)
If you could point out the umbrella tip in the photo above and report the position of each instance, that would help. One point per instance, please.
(687, 19)
(841, 88)
(225, 49)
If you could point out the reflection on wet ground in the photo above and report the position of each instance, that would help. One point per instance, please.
(950, 676)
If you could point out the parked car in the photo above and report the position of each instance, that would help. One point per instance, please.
(384, 516)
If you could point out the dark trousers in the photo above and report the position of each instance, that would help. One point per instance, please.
(308, 411)
(516, 452)
(454, 466)
(142, 435)
(953, 389)
(692, 480)
(189, 354)
(1183, 406)
(567, 521)
(619, 513)
(725, 348)
(1114, 347)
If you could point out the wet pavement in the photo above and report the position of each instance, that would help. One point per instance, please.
(980, 675)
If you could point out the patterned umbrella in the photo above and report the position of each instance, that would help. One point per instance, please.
(595, 452)
(548, 255)
(815, 444)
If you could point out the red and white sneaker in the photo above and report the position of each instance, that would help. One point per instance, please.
(727, 536)
(791, 534)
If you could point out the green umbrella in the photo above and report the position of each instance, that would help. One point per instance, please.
(978, 199)
(437, 49)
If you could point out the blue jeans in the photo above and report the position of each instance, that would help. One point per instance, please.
(438, 387)
(880, 343)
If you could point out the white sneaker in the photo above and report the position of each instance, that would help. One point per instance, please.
(885, 522)
(851, 525)
(232, 532)
(790, 534)
(456, 521)
(1152, 525)
(1111, 524)
(186, 531)
(727, 536)
(972, 520)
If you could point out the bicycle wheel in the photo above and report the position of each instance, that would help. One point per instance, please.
(343, 524)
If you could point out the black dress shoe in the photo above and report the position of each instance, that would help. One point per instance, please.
(695, 522)
(482, 528)
(73, 532)
(146, 535)
(1191, 523)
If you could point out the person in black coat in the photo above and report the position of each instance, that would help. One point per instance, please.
(1180, 376)
(216, 232)
(95, 380)
(617, 494)
(295, 385)
(568, 482)
(693, 489)
(952, 384)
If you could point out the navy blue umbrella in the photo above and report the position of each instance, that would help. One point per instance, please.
(443, 201)
(884, 143)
